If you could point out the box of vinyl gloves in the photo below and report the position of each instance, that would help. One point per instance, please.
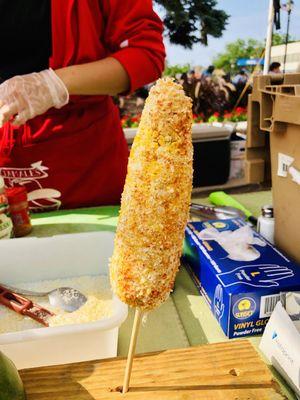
(239, 274)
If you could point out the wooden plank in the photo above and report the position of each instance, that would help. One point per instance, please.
(224, 371)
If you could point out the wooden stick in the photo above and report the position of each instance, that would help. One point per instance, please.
(134, 334)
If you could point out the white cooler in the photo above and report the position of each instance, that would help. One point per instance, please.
(211, 152)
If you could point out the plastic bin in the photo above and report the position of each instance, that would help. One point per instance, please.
(273, 150)
(211, 153)
(61, 256)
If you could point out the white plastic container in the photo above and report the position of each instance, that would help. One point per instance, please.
(57, 257)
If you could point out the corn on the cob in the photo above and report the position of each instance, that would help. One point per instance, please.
(155, 200)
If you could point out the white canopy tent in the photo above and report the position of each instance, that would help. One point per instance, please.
(269, 38)
(288, 8)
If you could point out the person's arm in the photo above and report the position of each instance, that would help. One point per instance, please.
(24, 97)
(133, 40)
(106, 77)
(133, 37)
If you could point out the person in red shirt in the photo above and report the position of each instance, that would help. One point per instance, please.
(61, 61)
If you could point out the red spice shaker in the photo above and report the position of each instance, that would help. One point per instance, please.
(19, 210)
(6, 226)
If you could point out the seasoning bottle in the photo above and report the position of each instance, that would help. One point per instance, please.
(266, 223)
(19, 210)
(6, 226)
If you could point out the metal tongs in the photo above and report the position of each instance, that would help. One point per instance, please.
(24, 306)
(221, 212)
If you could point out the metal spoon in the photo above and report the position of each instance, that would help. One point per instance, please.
(68, 299)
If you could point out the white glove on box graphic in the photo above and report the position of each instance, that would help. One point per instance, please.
(262, 275)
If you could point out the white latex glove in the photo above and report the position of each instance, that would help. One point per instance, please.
(26, 96)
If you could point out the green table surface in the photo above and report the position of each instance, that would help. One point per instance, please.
(182, 321)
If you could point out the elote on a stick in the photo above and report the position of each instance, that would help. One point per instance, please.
(155, 201)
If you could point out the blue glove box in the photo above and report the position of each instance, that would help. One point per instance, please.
(241, 294)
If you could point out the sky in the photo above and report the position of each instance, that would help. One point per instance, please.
(248, 19)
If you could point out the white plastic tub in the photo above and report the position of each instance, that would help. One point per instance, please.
(61, 256)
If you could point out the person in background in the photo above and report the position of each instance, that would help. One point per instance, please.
(240, 79)
(191, 76)
(275, 68)
(183, 79)
(229, 89)
(198, 73)
(227, 77)
(141, 96)
(208, 72)
(61, 61)
(186, 84)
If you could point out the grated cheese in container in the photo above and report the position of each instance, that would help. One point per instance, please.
(98, 305)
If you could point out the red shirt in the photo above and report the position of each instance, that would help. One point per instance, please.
(77, 156)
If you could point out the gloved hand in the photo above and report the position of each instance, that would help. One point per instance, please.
(263, 275)
(25, 96)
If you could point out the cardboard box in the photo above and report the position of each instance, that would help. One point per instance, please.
(241, 294)
(274, 114)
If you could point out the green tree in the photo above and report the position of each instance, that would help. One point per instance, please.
(280, 39)
(239, 49)
(173, 70)
(191, 21)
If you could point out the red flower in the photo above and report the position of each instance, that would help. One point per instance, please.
(240, 110)
(197, 118)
